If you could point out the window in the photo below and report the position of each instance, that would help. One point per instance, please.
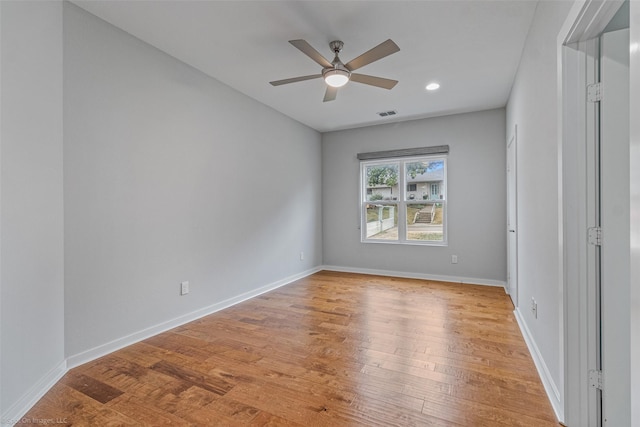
(415, 216)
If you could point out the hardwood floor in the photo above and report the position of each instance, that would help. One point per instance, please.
(333, 349)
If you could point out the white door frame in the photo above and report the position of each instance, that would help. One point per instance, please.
(512, 228)
(578, 152)
(577, 66)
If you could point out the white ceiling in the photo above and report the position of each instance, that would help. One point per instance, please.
(472, 48)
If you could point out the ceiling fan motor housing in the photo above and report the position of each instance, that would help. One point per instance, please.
(336, 66)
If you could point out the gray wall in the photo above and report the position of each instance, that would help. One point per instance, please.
(31, 249)
(635, 212)
(533, 107)
(476, 197)
(161, 166)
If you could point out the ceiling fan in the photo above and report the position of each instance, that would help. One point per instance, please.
(336, 74)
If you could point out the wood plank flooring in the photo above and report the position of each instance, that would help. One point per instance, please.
(333, 349)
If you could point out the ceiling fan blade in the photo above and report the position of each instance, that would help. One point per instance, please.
(295, 79)
(330, 94)
(373, 81)
(383, 49)
(308, 50)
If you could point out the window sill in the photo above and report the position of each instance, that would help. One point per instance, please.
(404, 243)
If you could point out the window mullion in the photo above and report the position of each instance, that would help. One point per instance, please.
(402, 203)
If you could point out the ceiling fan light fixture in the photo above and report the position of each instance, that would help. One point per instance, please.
(335, 77)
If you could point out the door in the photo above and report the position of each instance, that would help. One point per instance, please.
(512, 220)
(615, 224)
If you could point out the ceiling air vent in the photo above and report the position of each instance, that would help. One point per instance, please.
(387, 113)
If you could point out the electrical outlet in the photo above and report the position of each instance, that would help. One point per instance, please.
(301, 256)
(184, 288)
(534, 308)
(454, 259)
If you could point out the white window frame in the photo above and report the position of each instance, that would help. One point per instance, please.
(402, 200)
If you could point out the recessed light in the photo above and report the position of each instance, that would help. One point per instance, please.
(432, 86)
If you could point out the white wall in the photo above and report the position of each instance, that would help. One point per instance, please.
(533, 108)
(476, 197)
(31, 248)
(170, 176)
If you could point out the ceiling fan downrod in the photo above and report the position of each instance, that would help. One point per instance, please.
(338, 75)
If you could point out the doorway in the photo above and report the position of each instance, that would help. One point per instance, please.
(595, 189)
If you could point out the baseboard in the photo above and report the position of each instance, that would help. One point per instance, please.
(16, 412)
(440, 278)
(545, 376)
(110, 347)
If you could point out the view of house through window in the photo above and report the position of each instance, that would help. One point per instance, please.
(404, 200)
